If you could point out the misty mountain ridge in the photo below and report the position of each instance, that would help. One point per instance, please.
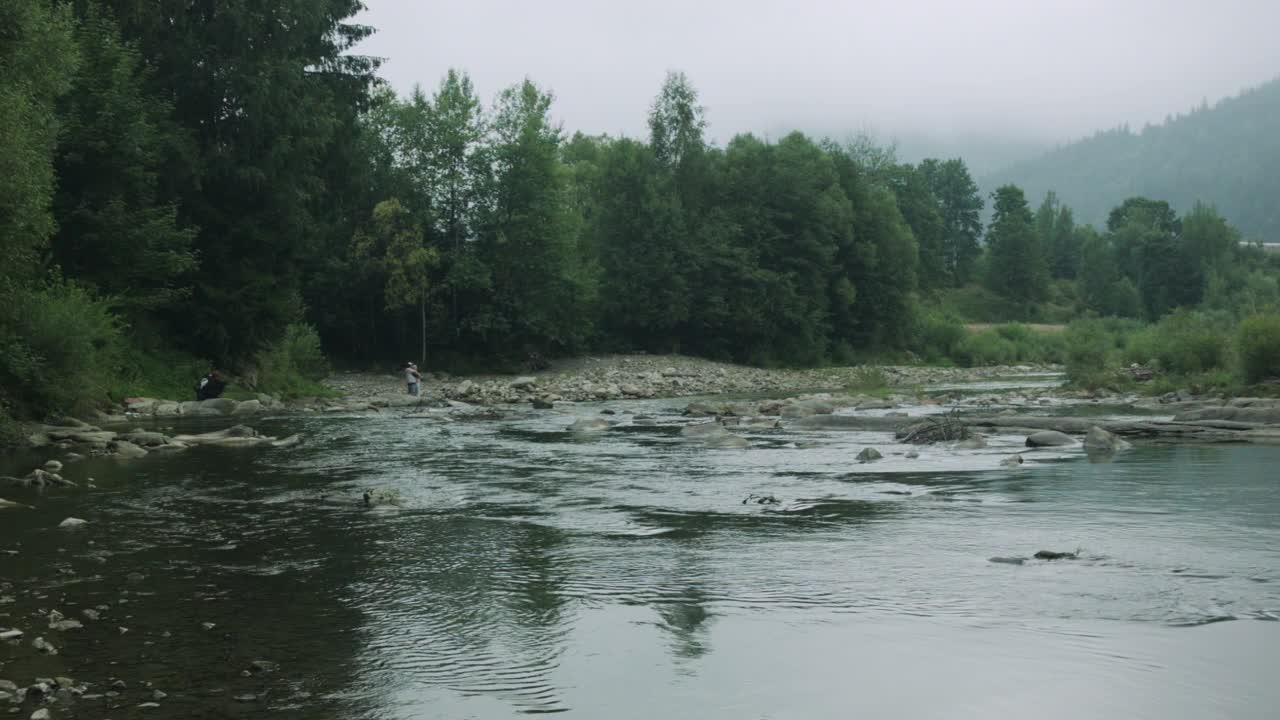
(1227, 154)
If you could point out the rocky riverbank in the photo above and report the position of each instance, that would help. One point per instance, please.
(620, 377)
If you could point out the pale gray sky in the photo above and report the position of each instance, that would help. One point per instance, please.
(1043, 70)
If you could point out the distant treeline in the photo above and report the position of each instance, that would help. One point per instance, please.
(227, 181)
(1227, 155)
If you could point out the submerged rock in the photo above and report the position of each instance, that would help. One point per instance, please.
(1012, 461)
(869, 455)
(1052, 555)
(541, 404)
(714, 435)
(1049, 438)
(1099, 440)
(44, 646)
(589, 425)
(973, 442)
(125, 450)
(1007, 560)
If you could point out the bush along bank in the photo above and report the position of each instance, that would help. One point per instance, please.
(115, 372)
(1187, 351)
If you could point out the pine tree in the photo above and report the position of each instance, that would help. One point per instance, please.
(1017, 268)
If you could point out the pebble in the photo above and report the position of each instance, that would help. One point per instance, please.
(119, 685)
(208, 625)
(159, 694)
(41, 714)
(148, 705)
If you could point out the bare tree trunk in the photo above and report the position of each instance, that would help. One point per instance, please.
(422, 314)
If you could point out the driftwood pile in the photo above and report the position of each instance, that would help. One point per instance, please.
(936, 429)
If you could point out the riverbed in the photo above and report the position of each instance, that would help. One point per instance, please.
(510, 566)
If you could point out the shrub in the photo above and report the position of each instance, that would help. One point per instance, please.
(937, 336)
(1258, 344)
(60, 349)
(1188, 342)
(1090, 346)
(986, 348)
(294, 364)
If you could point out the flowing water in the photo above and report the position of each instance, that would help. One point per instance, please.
(526, 569)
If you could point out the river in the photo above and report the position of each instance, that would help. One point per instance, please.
(526, 569)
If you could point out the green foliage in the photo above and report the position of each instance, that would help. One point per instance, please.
(868, 381)
(1183, 343)
(60, 350)
(158, 372)
(1258, 345)
(293, 365)
(938, 336)
(986, 348)
(37, 60)
(114, 233)
(1017, 267)
(1008, 344)
(1092, 346)
(960, 204)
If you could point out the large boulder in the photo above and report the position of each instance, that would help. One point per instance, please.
(146, 439)
(869, 455)
(808, 408)
(125, 450)
(168, 409)
(237, 436)
(248, 407)
(1050, 438)
(523, 383)
(143, 405)
(1098, 440)
(216, 406)
(83, 437)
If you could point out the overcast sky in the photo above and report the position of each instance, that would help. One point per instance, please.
(1047, 70)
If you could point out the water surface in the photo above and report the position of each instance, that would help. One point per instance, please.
(527, 569)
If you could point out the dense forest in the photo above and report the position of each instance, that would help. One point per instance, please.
(1226, 155)
(229, 183)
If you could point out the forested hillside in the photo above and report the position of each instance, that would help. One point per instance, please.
(1226, 155)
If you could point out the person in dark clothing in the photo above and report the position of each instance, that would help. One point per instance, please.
(211, 386)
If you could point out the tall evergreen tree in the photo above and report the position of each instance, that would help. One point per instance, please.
(961, 207)
(1064, 246)
(923, 213)
(114, 233)
(1017, 268)
(263, 90)
(37, 60)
